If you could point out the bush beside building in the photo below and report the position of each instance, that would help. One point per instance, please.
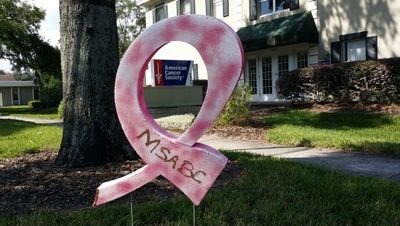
(372, 81)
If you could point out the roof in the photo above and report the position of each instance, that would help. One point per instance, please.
(17, 84)
(6, 77)
(297, 28)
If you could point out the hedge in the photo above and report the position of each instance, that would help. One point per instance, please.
(36, 104)
(372, 81)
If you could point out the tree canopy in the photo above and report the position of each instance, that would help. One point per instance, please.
(25, 49)
(19, 25)
(20, 41)
(130, 21)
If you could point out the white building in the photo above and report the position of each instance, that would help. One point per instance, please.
(283, 35)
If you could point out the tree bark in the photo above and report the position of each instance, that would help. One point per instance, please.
(89, 58)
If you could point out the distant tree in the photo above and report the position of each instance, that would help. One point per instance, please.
(130, 21)
(92, 134)
(19, 25)
(2, 72)
(26, 75)
(22, 45)
(46, 64)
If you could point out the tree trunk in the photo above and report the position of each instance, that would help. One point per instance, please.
(89, 58)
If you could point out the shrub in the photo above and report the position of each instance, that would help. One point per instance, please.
(237, 110)
(51, 91)
(60, 110)
(36, 104)
(372, 81)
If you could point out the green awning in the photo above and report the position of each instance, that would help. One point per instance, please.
(297, 28)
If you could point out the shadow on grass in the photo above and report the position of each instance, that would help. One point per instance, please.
(13, 110)
(334, 120)
(389, 148)
(20, 110)
(9, 127)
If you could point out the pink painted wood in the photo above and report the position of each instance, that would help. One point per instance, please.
(191, 166)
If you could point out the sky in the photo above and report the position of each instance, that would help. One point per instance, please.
(50, 26)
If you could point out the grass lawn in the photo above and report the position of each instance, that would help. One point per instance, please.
(25, 112)
(369, 132)
(270, 192)
(17, 138)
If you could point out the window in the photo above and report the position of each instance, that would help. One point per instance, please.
(283, 64)
(265, 7)
(356, 50)
(267, 75)
(354, 47)
(302, 59)
(185, 7)
(160, 12)
(217, 8)
(252, 67)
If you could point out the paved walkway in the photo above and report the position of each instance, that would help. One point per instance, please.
(56, 122)
(354, 163)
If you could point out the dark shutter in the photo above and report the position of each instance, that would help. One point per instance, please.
(154, 16)
(192, 7)
(336, 52)
(372, 48)
(225, 5)
(166, 11)
(253, 10)
(178, 7)
(209, 7)
(293, 4)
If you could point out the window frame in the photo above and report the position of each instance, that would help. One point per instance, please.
(211, 6)
(302, 62)
(180, 7)
(251, 78)
(163, 7)
(339, 49)
(256, 9)
(267, 78)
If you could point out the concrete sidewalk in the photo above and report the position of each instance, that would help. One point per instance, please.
(354, 163)
(56, 122)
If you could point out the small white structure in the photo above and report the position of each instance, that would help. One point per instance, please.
(18, 92)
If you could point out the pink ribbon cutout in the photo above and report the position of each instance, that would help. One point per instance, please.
(192, 167)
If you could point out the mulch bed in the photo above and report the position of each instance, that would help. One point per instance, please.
(33, 182)
(238, 132)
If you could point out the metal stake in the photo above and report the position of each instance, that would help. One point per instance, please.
(194, 215)
(131, 210)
